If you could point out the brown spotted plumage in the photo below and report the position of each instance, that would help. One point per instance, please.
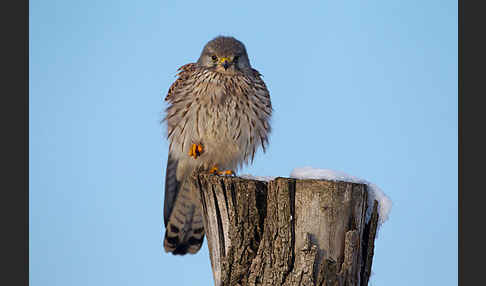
(218, 116)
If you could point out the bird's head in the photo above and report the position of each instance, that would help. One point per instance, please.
(226, 55)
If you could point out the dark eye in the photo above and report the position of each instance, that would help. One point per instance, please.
(214, 58)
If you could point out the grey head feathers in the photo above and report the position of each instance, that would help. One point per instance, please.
(221, 49)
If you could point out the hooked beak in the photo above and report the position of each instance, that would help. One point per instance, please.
(225, 63)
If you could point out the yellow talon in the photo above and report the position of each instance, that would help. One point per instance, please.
(196, 150)
(226, 172)
(214, 170)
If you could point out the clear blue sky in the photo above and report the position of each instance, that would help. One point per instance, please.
(364, 87)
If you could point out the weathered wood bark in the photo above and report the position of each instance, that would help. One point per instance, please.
(287, 231)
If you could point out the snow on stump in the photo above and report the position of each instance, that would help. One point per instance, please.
(287, 231)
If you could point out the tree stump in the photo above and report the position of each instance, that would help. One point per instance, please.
(287, 231)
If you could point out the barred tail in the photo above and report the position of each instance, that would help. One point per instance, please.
(182, 215)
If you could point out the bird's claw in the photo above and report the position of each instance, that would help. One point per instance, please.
(226, 173)
(196, 150)
(215, 171)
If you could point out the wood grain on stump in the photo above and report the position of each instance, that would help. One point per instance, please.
(287, 231)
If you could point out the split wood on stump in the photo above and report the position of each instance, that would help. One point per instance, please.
(287, 231)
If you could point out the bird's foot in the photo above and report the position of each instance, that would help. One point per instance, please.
(226, 173)
(215, 171)
(196, 150)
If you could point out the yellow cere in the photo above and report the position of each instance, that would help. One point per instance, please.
(221, 60)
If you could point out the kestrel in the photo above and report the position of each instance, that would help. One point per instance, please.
(218, 116)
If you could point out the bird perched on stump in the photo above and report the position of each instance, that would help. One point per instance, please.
(218, 116)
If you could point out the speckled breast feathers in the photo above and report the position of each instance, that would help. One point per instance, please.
(228, 114)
